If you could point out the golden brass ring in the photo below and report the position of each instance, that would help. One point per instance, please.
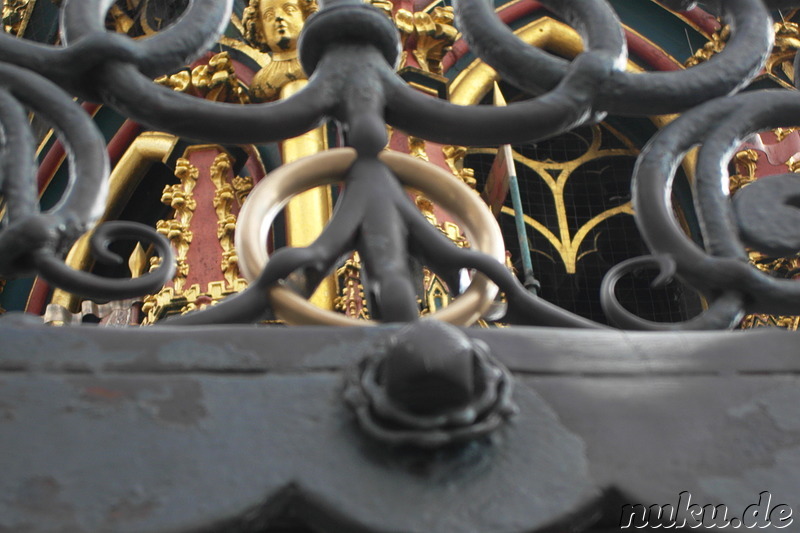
(270, 196)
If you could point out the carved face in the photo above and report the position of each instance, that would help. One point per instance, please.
(282, 21)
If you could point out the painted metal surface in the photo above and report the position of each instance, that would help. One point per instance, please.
(235, 428)
(352, 80)
(212, 432)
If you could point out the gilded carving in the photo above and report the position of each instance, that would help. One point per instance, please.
(167, 302)
(416, 147)
(404, 21)
(426, 208)
(216, 81)
(782, 133)
(782, 267)
(351, 301)
(454, 157)
(274, 26)
(16, 14)
(793, 165)
(242, 185)
(434, 33)
(180, 237)
(555, 175)
(449, 229)
(746, 159)
(138, 18)
(137, 262)
(180, 198)
(180, 81)
(453, 232)
(224, 197)
(714, 46)
(384, 5)
(437, 295)
(122, 16)
(780, 63)
(762, 321)
(787, 43)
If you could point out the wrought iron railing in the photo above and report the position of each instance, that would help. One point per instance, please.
(402, 394)
(352, 81)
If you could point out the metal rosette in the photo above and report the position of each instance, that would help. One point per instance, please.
(31, 242)
(764, 215)
(388, 418)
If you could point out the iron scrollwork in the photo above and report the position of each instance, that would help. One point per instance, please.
(31, 241)
(352, 80)
(437, 395)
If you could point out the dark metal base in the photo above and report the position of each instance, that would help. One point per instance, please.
(241, 428)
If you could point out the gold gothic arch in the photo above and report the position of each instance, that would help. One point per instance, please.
(478, 79)
(468, 88)
(148, 148)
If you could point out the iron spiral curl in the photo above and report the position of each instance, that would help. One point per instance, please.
(31, 241)
(354, 82)
(720, 270)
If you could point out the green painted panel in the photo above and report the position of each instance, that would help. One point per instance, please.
(43, 26)
(52, 194)
(47, 147)
(663, 28)
(15, 295)
(109, 122)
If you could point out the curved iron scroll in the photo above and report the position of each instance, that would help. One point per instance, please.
(352, 80)
(31, 241)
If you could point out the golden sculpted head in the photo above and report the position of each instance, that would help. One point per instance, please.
(275, 25)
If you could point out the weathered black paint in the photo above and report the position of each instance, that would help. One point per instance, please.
(237, 428)
(203, 429)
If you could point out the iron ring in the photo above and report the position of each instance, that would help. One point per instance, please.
(268, 198)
